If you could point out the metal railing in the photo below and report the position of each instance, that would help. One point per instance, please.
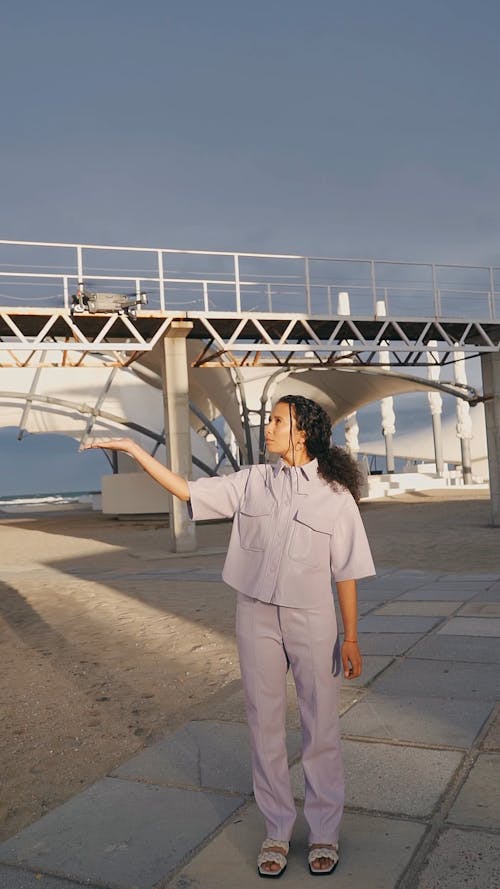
(44, 275)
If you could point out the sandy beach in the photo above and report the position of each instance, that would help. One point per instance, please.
(102, 651)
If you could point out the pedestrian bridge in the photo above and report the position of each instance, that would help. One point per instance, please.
(248, 308)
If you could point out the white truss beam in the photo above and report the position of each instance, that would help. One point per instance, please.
(239, 338)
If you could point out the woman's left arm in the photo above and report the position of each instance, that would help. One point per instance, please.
(350, 654)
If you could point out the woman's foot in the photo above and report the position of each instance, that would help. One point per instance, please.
(271, 861)
(323, 858)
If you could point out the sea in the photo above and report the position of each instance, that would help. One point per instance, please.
(50, 501)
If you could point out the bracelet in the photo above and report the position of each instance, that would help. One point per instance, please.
(352, 640)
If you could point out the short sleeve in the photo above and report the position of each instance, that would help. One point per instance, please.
(217, 497)
(350, 554)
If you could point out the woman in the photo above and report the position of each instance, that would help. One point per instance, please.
(296, 524)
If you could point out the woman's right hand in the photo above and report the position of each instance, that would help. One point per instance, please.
(176, 484)
(111, 444)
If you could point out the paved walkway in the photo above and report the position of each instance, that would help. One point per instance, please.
(422, 754)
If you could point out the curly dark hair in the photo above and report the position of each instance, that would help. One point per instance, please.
(335, 464)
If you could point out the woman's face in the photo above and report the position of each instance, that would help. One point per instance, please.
(278, 438)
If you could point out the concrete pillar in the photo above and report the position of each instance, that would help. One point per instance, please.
(389, 452)
(388, 423)
(436, 406)
(466, 460)
(177, 429)
(437, 432)
(351, 427)
(490, 367)
(464, 422)
(387, 403)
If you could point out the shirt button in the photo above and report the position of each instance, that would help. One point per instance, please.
(273, 569)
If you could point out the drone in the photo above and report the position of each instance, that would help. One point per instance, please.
(94, 302)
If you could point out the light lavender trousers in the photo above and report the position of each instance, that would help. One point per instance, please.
(270, 638)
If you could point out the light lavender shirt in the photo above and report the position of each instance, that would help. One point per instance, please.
(291, 532)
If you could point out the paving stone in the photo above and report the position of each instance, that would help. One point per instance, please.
(439, 679)
(490, 595)
(451, 584)
(420, 609)
(365, 607)
(406, 579)
(384, 569)
(374, 851)
(372, 666)
(389, 584)
(16, 878)
(377, 624)
(443, 594)
(212, 755)
(480, 609)
(461, 858)
(487, 579)
(350, 694)
(478, 649)
(392, 584)
(389, 778)
(387, 643)
(422, 720)
(380, 594)
(381, 572)
(417, 573)
(120, 834)
(492, 738)
(406, 576)
(471, 626)
(478, 803)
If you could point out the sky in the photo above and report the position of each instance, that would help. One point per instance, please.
(363, 129)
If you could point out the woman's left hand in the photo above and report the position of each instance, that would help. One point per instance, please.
(352, 661)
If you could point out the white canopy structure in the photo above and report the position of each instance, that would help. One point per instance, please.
(78, 401)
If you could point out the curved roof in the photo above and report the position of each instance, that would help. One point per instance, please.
(343, 389)
(340, 389)
(72, 400)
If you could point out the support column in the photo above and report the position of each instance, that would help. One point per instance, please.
(464, 422)
(388, 429)
(490, 367)
(436, 406)
(351, 427)
(437, 432)
(387, 403)
(177, 429)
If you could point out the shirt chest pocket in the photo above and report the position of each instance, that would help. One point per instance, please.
(254, 524)
(310, 539)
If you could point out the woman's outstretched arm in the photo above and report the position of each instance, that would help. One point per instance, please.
(174, 483)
